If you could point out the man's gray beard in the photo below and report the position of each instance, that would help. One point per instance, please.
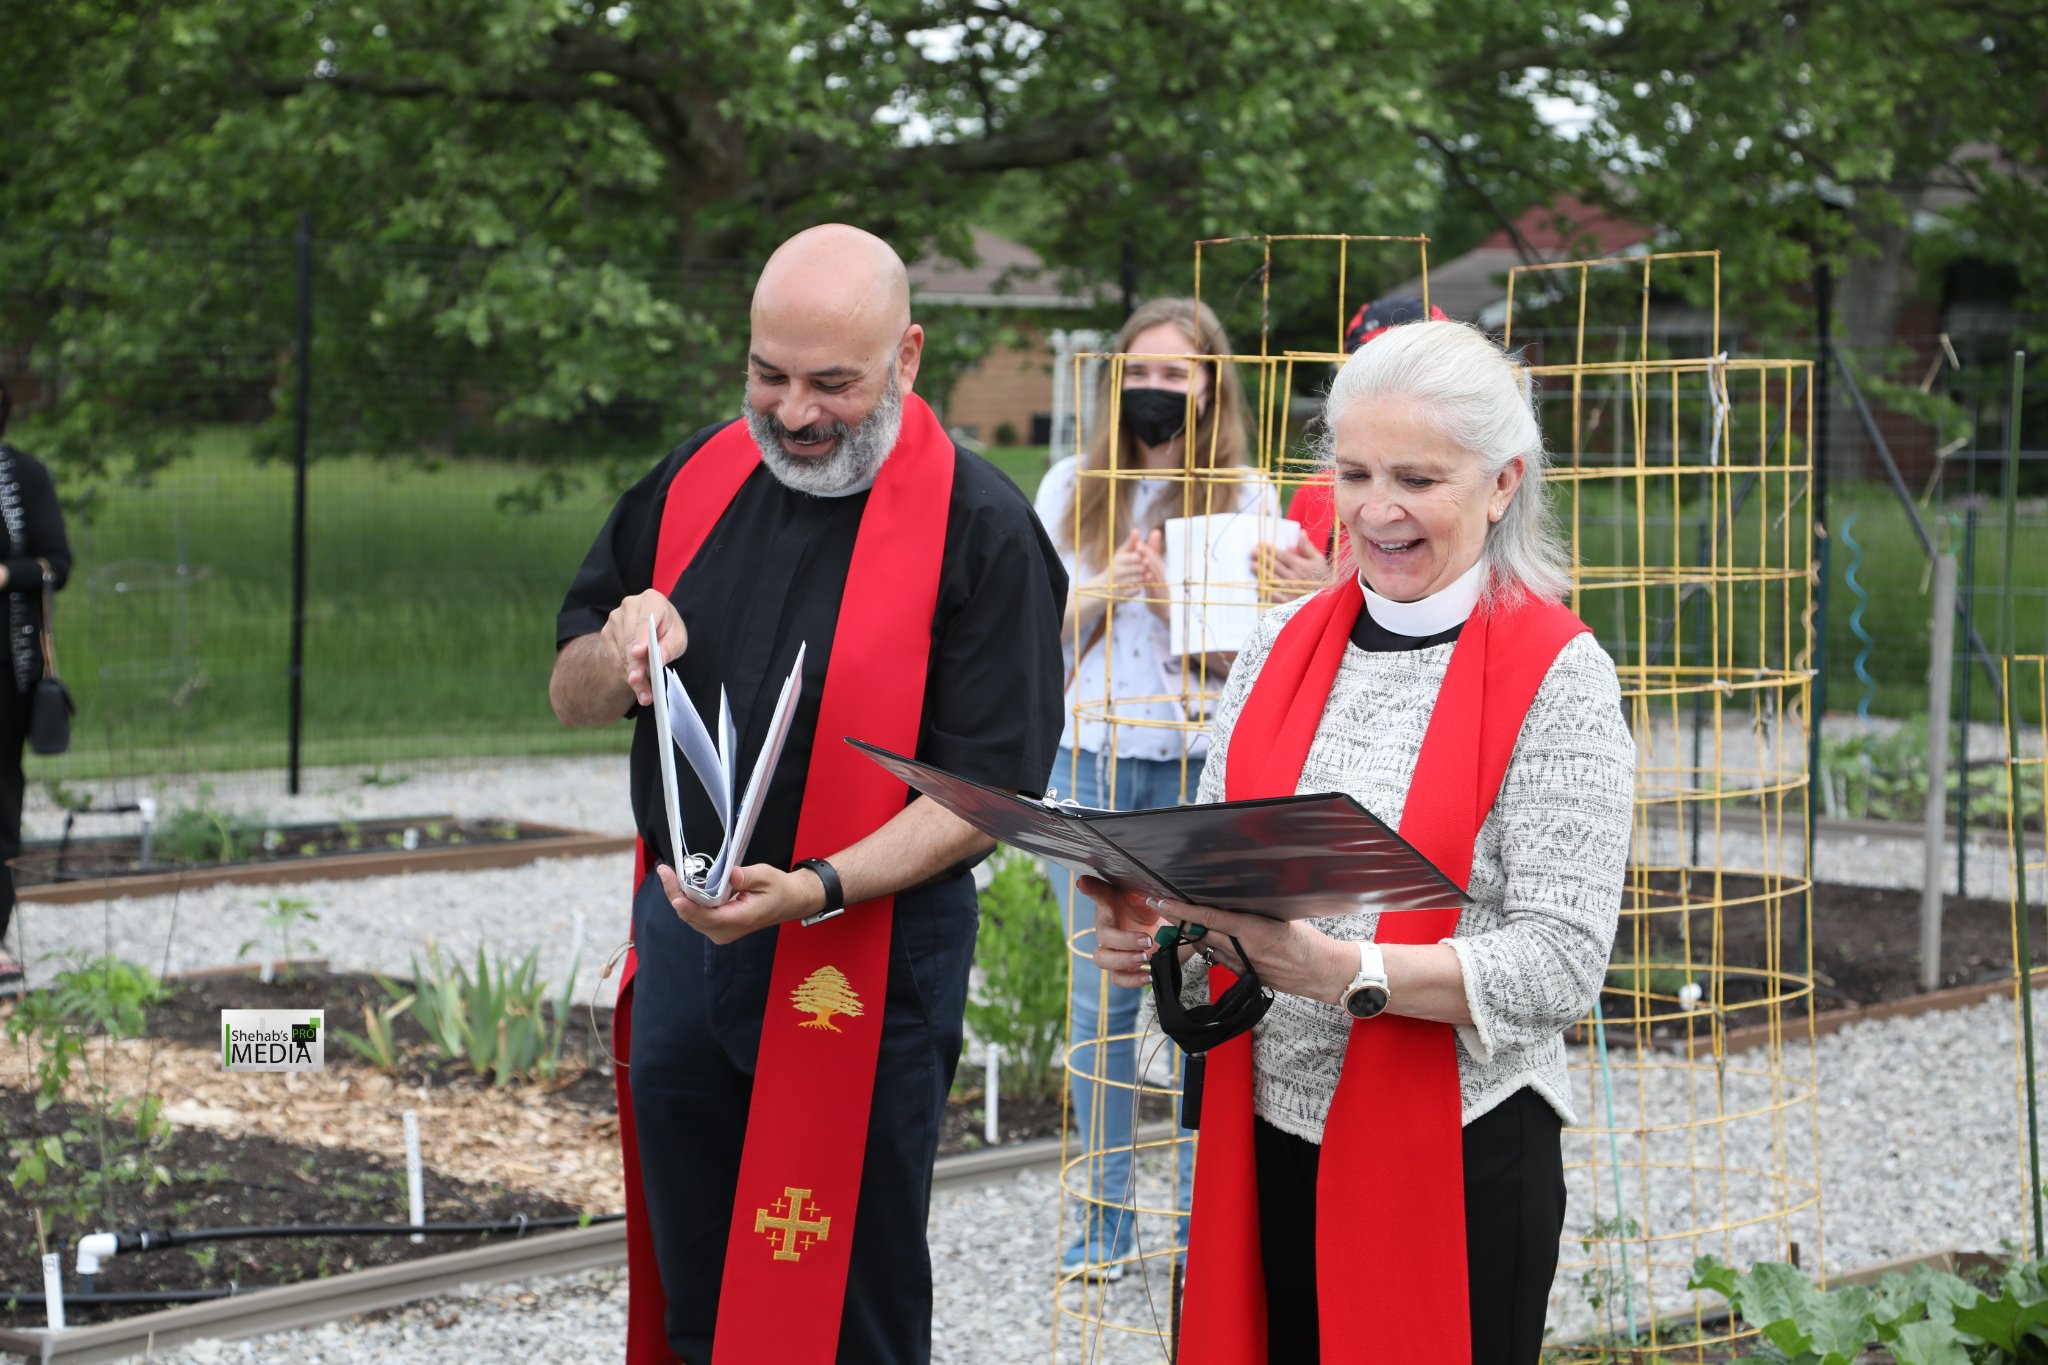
(855, 460)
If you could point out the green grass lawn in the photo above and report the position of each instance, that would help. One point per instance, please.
(430, 615)
(1025, 465)
(430, 610)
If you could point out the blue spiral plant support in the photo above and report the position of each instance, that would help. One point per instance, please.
(1865, 641)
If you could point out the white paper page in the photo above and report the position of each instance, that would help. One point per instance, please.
(757, 782)
(727, 743)
(1212, 575)
(665, 747)
(695, 742)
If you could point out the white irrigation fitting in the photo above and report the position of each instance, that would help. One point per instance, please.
(146, 805)
(94, 1248)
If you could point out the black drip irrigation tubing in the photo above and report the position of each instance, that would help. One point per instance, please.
(157, 1239)
(139, 1298)
(162, 1239)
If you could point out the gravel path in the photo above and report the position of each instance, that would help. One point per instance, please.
(581, 793)
(1952, 1141)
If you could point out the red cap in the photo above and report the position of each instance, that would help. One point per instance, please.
(1380, 314)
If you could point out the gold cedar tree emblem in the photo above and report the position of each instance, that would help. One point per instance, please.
(825, 993)
(792, 1231)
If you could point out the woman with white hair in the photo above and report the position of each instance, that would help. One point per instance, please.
(1381, 1176)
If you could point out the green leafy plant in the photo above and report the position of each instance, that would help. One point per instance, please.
(1021, 1005)
(495, 1021)
(64, 797)
(202, 833)
(1648, 979)
(1921, 1317)
(288, 916)
(1600, 1283)
(378, 1042)
(1884, 777)
(77, 1171)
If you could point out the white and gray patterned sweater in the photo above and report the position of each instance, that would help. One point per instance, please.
(1546, 870)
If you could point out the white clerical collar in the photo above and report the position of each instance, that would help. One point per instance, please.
(858, 486)
(1431, 615)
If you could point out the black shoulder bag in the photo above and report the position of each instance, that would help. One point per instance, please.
(50, 707)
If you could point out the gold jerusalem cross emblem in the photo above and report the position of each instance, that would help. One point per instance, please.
(789, 1230)
(825, 993)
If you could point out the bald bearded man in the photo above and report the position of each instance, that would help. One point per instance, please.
(786, 1066)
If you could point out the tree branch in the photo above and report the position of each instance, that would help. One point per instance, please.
(405, 88)
(1038, 146)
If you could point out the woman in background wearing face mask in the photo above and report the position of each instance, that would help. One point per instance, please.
(1155, 764)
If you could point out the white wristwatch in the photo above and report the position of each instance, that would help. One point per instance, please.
(1367, 993)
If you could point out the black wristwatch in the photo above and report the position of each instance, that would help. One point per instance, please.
(835, 894)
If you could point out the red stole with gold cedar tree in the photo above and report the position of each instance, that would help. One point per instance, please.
(791, 1241)
(1390, 1193)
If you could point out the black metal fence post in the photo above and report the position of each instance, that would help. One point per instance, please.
(301, 425)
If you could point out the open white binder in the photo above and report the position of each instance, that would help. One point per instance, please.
(707, 878)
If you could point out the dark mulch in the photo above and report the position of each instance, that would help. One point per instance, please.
(245, 1180)
(192, 1015)
(1865, 944)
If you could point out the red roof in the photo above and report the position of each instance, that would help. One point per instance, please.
(1566, 224)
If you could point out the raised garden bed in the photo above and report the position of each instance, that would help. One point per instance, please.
(326, 1147)
(247, 1179)
(96, 868)
(1866, 954)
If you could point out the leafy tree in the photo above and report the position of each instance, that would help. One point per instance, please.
(546, 209)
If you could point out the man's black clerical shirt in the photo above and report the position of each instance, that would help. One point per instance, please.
(771, 575)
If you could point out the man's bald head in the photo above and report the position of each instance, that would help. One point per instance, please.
(834, 276)
(833, 346)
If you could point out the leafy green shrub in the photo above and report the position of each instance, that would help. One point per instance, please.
(1021, 1006)
(495, 1022)
(203, 834)
(1922, 1317)
(77, 1172)
(1884, 777)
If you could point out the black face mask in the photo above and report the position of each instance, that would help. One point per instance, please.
(1201, 1027)
(1155, 416)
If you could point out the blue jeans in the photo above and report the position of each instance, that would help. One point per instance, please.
(1100, 1008)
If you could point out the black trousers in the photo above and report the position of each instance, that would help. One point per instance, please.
(14, 710)
(1514, 1211)
(697, 1012)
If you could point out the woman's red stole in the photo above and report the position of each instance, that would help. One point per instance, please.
(785, 1276)
(1390, 1193)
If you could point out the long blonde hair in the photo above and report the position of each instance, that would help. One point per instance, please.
(1220, 439)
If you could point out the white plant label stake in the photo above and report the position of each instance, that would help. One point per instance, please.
(53, 1290)
(991, 1126)
(415, 1198)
